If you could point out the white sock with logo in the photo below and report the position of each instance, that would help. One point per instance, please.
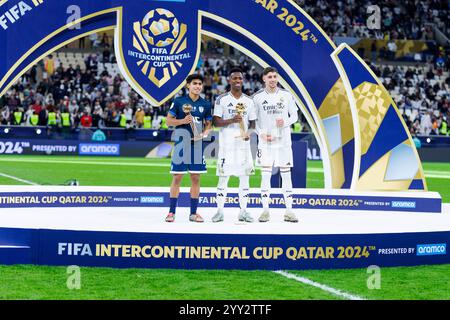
(286, 185)
(244, 188)
(222, 189)
(265, 187)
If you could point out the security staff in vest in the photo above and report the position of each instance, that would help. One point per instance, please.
(123, 120)
(164, 125)
(18, 117)
(65, 119)
(34, 119)
(444, 127)
(147, 121)
(52, 119)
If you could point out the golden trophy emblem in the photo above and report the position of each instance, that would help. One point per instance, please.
(240, 110)
(187, 109)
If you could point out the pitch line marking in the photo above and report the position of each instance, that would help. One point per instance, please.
(428, 173)
(17, 179)
(112, 163)
(323, 287)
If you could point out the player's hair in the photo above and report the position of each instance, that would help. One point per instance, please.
(235, 70)
(193, 77)
(269, 70)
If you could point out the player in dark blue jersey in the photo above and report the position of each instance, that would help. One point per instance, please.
(192, 118)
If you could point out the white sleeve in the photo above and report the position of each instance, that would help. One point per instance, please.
(258, 117)
(218, 109)
(293, 112)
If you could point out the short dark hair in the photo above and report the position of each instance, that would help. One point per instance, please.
(193, 77)
(235, 70)
(269, 70)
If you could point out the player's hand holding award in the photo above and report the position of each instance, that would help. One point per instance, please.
(240, 110)
(187, 109)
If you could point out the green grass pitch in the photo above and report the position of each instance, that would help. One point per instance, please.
(40, 282)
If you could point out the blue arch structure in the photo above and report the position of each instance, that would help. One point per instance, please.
(351, 114)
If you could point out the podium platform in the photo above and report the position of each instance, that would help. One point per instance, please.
(44, 231)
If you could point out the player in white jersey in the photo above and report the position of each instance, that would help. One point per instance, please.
(234, 114)
(276, 111)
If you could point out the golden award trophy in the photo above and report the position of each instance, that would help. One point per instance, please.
(187, 109)
(240, 110)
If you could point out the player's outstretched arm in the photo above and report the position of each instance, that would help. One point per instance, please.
(293, 113)
(219, 122)
(174, 122)
(208, 127)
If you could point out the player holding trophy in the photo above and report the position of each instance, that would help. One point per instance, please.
(276, 111)
(191, 115)
(234, 114)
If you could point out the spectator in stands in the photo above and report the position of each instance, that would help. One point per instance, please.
(139, 117)
(28, 116)
(43, 116)
(426, 123)
(86, 120)
(49, 66)
(3, 121)
(392, 49)
(73, 106)
(93, 38)
(92, 63)
(435, 126)
(124, 88)
(128, 112)
(5, 115)
(97, 116)
(374, 51)
(106, 54)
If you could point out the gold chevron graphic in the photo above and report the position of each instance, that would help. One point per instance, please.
(178, 47)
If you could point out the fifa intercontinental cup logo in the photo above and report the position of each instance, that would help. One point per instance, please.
(161, 42)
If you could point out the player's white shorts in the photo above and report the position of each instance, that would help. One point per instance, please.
(235, 161)
(277, 155)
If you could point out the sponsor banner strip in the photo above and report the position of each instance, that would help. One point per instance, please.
(208, 199)
(216, 251)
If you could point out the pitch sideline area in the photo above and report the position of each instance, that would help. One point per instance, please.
(126, 229)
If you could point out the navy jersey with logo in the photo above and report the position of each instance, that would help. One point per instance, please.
(187, 155)
(201, 111)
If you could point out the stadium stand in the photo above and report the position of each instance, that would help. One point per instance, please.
(86, 82)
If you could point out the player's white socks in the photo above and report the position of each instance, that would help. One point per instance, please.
(266, 174)
(244, 187)
(222, 192)
(286, 185)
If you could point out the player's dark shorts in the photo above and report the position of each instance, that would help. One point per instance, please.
(188, 157)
